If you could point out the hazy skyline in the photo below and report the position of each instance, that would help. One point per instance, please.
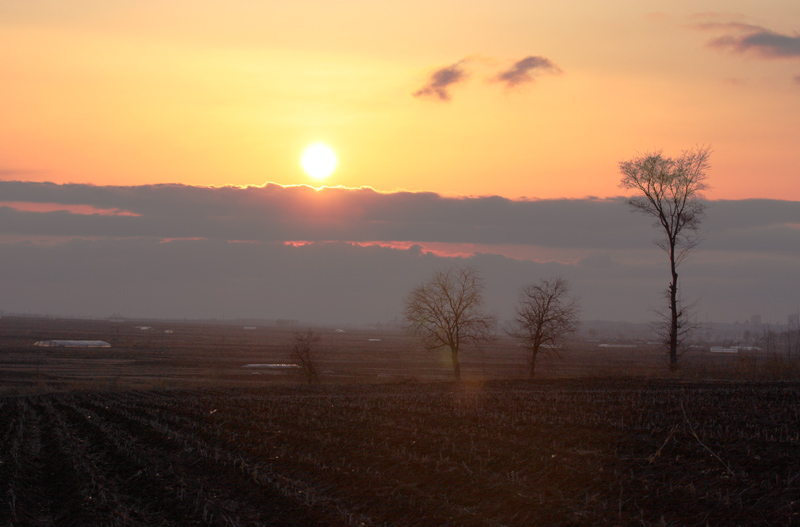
(151, 154)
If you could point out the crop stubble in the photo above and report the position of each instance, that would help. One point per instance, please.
(499, 453)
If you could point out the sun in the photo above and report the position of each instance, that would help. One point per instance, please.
(318, 160)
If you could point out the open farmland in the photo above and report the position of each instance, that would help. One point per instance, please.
(188, 355)
(498, 453)
(191, 355)
(167, 427)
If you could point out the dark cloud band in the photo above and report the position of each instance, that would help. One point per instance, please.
(172, 255)
(274, 213)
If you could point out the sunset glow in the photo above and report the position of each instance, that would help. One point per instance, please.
(283, 147)
(129, 93)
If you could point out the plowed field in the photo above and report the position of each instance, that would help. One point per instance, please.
(498, 453)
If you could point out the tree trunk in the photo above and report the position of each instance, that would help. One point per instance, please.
(456, 364)
(534, 353)
(674, 316)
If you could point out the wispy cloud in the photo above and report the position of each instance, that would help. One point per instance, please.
(523, 71)
(743, 38)
(441, 80)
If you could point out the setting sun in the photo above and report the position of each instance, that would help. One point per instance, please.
(318, 161)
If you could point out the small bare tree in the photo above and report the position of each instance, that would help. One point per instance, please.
(768, 339)
(669, 190)
(791, 336)
(304, 353)
(545, 317)
(447, 312)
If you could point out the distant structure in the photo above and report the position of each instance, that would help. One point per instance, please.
(793, 319)
(723, 349)
(275, 367)
(72, 344)
(755, 320)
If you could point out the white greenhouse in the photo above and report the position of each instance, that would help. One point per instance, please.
(72, 344)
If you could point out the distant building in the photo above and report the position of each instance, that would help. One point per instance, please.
(793, 319)
(755, 320)
(272, 366)
(723, 349)
(72, 344)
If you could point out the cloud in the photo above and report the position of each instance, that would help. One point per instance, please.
(273, 213)
(441, 80)
(172, 253)
(746, 38)
(522, 71)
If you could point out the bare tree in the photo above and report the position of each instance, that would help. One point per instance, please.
(304, 353)
(447, 312)
(767, 339)
(669, 190)
(545, 317)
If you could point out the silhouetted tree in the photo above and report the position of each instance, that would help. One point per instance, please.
(768, 339)
(668, 189)
(447, 311)
(791, 336)
(304, 353)
(545, 317)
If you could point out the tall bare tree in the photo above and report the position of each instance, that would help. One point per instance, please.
(545, 317)
(304, 353)
(669, 190)
(448, 311)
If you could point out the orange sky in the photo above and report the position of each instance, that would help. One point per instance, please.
(229, 93)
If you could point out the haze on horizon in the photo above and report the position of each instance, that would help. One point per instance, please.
(151, 153)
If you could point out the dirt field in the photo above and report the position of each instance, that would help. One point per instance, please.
(498, 453)
(170, 429)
